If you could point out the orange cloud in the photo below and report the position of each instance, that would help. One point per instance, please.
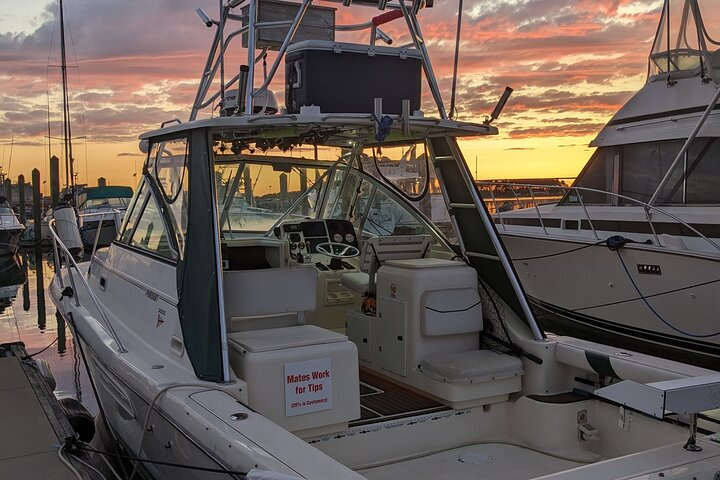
(572, 64)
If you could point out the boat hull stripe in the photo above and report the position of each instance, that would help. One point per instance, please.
(600, 363)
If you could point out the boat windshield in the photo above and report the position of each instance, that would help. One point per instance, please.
(687, 38)
(255, 190)
(382, 191)
(115, 202)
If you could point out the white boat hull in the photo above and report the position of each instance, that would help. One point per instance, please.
(585, 289)
(192, 422)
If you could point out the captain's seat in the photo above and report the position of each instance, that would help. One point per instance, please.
(376, 251)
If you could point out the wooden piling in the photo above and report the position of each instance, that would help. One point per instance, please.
(37, 204)
(54, 181)
(37, 218)
(26, 285)
(21, 199)
(8, 191)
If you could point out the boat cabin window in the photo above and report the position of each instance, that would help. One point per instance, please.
(253, 194)
(150, 232)
(703, 172)
(406, 171)
(167, 164)
(263, 184)
(642, 167)
(598, 174)
(133, 213)
(117, 202)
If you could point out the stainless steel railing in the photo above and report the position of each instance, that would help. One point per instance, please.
(526, 196)
(68, 261)
(117, 216)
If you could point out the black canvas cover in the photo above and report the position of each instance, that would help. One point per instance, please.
(197, 278)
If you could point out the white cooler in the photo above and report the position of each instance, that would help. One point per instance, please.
(302, 377)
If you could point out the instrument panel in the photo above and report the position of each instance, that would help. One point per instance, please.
(304, 237)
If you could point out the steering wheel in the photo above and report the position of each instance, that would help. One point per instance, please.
(337, 250)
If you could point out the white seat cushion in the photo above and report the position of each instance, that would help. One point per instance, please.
(271, 339)
(357, 282)
(270, 291)
(475, 366)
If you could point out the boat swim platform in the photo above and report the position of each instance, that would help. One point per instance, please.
(33, 424)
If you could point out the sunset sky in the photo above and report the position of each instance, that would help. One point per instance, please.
(572, 64)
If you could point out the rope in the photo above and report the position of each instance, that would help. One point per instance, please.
(243, 475)
(150, 409)
(657, 315)
(77, 337)
(679, 289)
(67, 463)
(560, 253)
(91, 467)
(26, 357)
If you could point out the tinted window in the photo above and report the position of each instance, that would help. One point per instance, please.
(150, 233)
(598, 175)
(643, 167)
(132, 213)
(167, 162)
(704, 172)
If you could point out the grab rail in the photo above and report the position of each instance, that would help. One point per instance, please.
(535, 204)
(115, 212)
(70, 263)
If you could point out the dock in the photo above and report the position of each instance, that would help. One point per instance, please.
(33, 423)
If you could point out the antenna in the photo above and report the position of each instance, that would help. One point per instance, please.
(500, 105)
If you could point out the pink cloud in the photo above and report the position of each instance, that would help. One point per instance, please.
(138, 62)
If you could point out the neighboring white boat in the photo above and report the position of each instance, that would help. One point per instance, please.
(10, 229)
(317, 345)
(653, 180)
(102, 208)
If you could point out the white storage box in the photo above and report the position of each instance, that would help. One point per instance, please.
(302, 377)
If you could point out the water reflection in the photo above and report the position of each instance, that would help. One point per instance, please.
(31, 318)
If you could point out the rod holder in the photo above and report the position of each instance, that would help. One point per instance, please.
(242, 88)
(691, 444)
(500, 105)
(406, 117)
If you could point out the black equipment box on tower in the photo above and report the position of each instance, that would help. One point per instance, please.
(346, 77)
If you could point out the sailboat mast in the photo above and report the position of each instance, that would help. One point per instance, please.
(67, 132)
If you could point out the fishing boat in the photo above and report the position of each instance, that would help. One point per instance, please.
(320, 345)
(101, 208)
(630, 254)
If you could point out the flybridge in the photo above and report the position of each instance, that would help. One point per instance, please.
(686, 42)
(274, 26)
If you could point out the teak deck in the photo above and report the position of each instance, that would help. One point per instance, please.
(381, 400)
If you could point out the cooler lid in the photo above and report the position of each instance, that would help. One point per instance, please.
(341, 47)
(270, 339)
(417, 263)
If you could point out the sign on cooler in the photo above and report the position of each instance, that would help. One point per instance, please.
(308, 386)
